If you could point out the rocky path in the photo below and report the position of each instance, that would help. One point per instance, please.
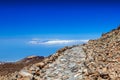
(68, 66)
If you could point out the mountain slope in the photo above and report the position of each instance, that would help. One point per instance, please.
(100, 60)
(96, 60)
(103, 57)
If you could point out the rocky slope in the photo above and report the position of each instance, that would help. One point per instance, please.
(96, 60)
(103, 57)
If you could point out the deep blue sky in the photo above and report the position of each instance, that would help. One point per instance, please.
(28, 19)
(18, 18)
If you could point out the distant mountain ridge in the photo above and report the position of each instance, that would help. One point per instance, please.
(8, 68)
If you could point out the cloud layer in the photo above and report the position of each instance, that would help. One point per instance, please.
(55, 42)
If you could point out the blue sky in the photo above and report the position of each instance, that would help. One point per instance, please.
(23, 21)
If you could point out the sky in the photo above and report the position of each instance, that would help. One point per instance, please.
(40, 27)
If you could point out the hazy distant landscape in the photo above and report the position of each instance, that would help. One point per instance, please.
(21, 48)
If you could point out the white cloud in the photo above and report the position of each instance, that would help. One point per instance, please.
(33, 42)
(55, 42)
